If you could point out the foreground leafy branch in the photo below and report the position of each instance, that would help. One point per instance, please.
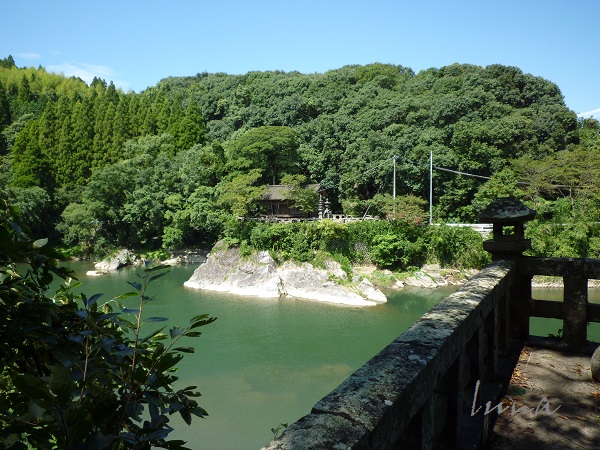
(78, 374)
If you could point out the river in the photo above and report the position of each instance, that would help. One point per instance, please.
(264, 362)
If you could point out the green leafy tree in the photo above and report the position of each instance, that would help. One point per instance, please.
(405, 208)
(5, 118)
(201, 165)
(25, 95)
(122, 128)
(77, 373)
(241, 193)
(191, 129)
(589, 134)
(82, 140)
(79, 228)
(536, 175)
(501, 184)
(299, 193)
(11, 132)
(273, 150)
(30, 164)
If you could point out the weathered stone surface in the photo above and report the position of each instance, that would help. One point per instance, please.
(319, 432)
(188, 256)
(369, 291)
(595, 365)
(335, 269)
(258, 275)
(506, 210)
(226, 271)
(122, 258)
(420, 279)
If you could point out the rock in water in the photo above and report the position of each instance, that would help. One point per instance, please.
(227, 271)
(257, 275)
(121, 259)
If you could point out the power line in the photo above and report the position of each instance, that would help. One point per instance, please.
(443, 169)
(361, 174)
(456, 172)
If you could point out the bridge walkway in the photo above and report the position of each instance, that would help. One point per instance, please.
(564, 380)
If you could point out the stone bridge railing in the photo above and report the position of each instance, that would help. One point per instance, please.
(575, 310)
(418, 391)
(439, 383)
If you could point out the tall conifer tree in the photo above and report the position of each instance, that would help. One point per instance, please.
(4, 117)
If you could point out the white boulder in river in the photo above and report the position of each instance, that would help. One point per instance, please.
(258, 275)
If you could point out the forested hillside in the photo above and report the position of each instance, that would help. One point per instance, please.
(175, 164)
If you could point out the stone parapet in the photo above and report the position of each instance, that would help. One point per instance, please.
(416, 390)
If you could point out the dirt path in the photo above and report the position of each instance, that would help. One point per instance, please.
(556, 404)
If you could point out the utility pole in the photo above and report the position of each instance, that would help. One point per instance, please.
(431, 187)
(394, 187)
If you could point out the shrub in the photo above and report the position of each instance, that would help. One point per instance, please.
(456, 247)
(395, 251)
(76, 374)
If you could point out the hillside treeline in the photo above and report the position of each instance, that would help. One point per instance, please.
(176, 164)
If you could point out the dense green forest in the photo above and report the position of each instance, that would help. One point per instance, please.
(93, 167)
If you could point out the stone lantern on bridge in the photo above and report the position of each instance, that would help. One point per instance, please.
(508, 216)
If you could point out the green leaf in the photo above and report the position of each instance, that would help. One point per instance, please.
(106, 316)
(134, 410)
(61, 383)
(40, 243)
(186, 416)
(176, 444)
(155, 277)
(127, 295)
(137, 286)
(185, 349)
(167, 361)
(36, 410)
(159, 267)
(35, 389)
(153, 334)
(159, 434)
(193, 333)
(16, 228)
(94, 298)
(201, 320)
(156, 319)
(159, 337)
(131, 311)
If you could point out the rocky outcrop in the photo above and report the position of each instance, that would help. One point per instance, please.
(432, 276)
(121, 259)
(258, 275)
(188, 256)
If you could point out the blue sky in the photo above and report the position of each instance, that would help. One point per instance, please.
(137, 43)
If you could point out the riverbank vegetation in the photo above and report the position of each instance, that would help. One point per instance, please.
(94, 168)
(385, 243)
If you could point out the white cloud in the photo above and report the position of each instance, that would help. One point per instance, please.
(28, 56)
(87, 72)
(594, 112)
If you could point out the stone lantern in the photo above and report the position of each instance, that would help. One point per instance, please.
(508, 216)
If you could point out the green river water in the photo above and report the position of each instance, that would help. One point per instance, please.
(267, 361)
